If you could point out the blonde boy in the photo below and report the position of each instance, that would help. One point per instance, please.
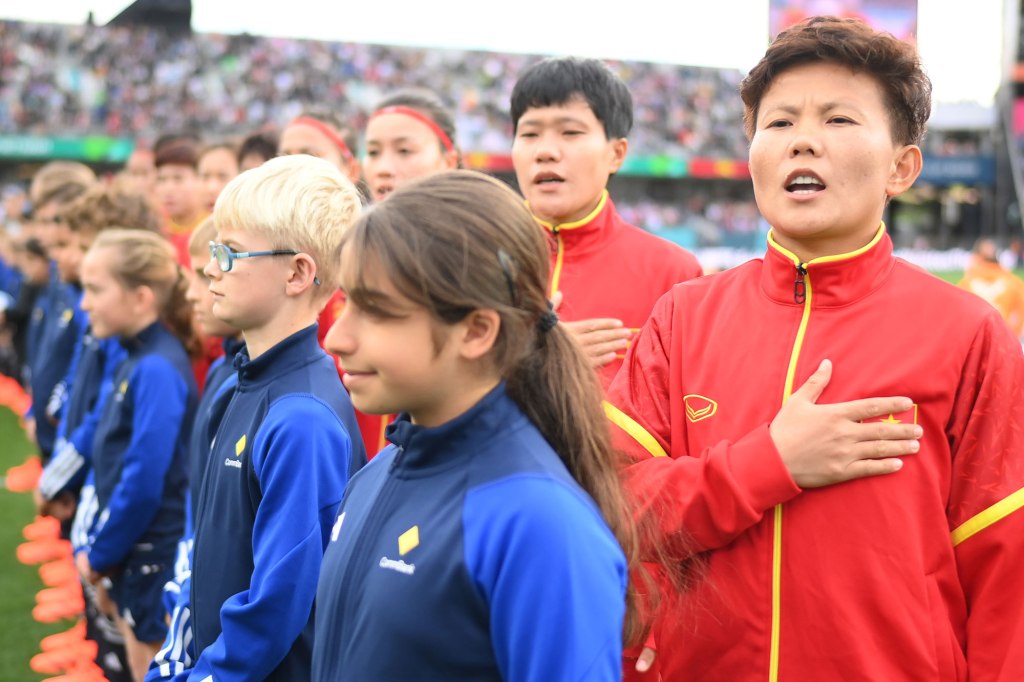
(282, 452)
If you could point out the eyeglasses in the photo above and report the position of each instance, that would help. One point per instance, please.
(226, 257)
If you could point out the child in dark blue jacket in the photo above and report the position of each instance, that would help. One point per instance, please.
(283, 449)
(477, 546)
(135, 291)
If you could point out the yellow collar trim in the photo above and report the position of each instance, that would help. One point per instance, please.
(826, 259)
(576, 223)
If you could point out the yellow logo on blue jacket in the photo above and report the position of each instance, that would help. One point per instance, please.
(408, 540)
(240, 446)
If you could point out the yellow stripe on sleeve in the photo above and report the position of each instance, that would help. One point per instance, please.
(996, 512)
(637, 432)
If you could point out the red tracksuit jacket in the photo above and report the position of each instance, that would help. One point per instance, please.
(917, 575)
(606, 267)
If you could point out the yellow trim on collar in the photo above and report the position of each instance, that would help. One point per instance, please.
(825, 259)
(979, 522)
(637, 432)
(576, 223)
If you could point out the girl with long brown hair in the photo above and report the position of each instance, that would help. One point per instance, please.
(487, 541)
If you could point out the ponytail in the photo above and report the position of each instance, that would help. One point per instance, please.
(147, 259)
(459, 241)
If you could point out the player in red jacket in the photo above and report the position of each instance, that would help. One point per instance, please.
(571, 119)
(815, 568)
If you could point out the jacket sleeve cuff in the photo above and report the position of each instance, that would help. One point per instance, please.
(760, 471)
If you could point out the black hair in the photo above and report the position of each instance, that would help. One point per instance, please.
(263, 143)
(557, 80)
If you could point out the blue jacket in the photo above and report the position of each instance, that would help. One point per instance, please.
(139, 454)
(92, 373)
(221, 376)
(468, 552)
(62, 325)
(273, 481)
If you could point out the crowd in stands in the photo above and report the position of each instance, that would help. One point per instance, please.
(76, 80)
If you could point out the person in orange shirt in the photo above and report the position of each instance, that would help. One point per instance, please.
(987, 278)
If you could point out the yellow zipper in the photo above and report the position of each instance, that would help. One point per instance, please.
(560, 255)
(773, 662)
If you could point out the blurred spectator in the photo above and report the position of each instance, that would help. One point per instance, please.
(987, 278)
(74, 80)
(256, 149)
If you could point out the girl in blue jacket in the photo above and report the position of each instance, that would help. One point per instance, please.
(135, 291)
(484, 542)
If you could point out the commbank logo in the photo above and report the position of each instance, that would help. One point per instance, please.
(699, 408)
(408, 540)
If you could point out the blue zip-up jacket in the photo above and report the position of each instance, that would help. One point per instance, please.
(62, 325)
(218, 387)
(468, 552)
(220, 377)
(92, 374)
(273, 481)
(139, 458)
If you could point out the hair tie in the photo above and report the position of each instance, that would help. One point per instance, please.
(548, 320)
(446, 141)
(328, 131)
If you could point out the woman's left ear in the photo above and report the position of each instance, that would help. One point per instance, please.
(303, 274)
(906, 167)
(481, 332)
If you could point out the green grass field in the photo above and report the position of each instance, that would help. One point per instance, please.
(19, 633)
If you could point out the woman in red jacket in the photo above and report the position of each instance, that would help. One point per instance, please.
(912, 574)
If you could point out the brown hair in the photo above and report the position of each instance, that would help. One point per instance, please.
(179, 152)
(101, 207)
(459, 241)
(61, 182)
(147, 259)
(205, 232)
(851, 43)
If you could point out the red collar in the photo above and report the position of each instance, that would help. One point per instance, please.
(830, 281)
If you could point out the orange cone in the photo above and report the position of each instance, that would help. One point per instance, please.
(53, 611)
(41, 551)
(56, 594)
(43, 528)
(24, 478)
(58, 572)
(82, 672)
(14, 396)
(63, 660)
(73, 635)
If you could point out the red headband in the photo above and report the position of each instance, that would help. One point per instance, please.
(446, 141)
(326, 130)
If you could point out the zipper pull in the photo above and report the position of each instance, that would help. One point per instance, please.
(800, 285)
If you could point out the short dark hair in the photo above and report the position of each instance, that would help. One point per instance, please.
(263, 143)
(179, 152)
(557, 80)
(851, 43)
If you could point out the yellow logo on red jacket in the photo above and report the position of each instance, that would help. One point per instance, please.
(905, 417)
(699, 408)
